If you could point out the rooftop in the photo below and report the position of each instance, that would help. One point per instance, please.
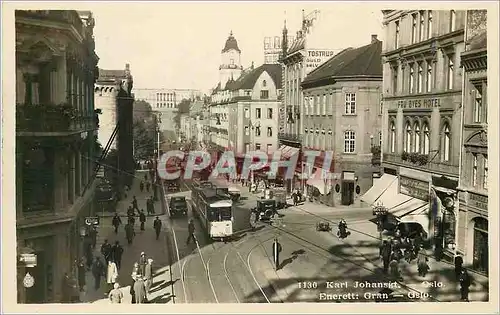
(231, 43)
(248, 80)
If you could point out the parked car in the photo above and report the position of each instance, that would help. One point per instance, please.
(178, 206)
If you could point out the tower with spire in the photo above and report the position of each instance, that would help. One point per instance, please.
(230, 67)
(284, 41)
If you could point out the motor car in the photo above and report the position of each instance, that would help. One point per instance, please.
(265, 209)
(178, 206)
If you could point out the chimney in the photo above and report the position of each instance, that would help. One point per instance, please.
(374, 38)
(127, 66)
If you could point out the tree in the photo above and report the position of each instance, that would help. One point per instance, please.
(142, 110)
(183, 108)
(144, 140)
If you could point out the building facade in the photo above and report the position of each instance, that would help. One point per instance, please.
(56, 130)
(343, 117)
(472, 232)
(273, 49)
(422, 95)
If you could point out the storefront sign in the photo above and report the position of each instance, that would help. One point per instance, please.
(478, 201)
(316, 57)
(420, 103)
(29, 260)
(414, 188)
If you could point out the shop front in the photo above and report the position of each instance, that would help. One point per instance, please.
(476, 238)
(295, 182)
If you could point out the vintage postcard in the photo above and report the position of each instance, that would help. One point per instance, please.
(281, 155)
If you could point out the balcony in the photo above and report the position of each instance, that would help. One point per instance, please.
(289, 137)
(52, 120)
(418, 164)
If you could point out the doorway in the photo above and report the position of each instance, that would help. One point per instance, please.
(347, 193)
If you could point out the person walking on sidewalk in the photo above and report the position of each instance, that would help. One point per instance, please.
(134, 204)
(130, 211)
(142, 219)
(141, 186)
(139, 291)
(129, 233)
(116, 295)
(422, 265)
(106, 251)
(111, 275)
(148, 185)
(143, 261)
(385, 255)
(93, 236)
(97, 272)
(82, 271)
(395, 273)
(459, 261)
(116, 222)
(152, 203)
(117, 253)
(465, 283)
(148, 275)
(157, 227)
(191, 229)
(276, 253)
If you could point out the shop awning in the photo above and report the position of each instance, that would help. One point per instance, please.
(410, 206)
(378, 188)
(421, 218)
(391, 198)
(317, 181)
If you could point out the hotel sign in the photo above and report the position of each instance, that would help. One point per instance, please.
(414, 188)
(420, 103)
(478, 201)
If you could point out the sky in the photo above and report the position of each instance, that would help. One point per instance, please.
(178, 45)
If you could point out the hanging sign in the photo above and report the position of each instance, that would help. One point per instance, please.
(29, 260)
(28, 280)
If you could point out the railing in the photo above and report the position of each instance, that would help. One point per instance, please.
(52, 118)
(436, 167)
(289, 136)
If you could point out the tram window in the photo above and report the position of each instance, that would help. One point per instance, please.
(225, 213)
(212, 215)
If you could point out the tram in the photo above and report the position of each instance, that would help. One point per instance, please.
(215, 211)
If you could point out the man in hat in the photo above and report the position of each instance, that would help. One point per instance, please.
(157, 226)
(142, 263)
(148, 275)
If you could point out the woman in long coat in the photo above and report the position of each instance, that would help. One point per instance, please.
(112, 274)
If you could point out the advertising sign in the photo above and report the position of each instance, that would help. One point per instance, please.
(316, 57)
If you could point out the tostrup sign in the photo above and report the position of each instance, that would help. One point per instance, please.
(316, 57)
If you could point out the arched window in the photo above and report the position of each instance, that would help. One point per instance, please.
(426, 139)
(393, 137)
(446, 143)
(349, 141)
(417, 137)
(408, 137)
(264, 83)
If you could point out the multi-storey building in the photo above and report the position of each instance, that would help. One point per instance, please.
(343, 117)
(472, 233)
(56, 67)
(272, 49)
(105, 98)
(299, 58)
(422, 95)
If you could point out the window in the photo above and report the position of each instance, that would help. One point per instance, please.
(445, 149)
(264, 94)
(349, 141)
(269, 148)
(429, 24)
(453, 20)
(396, 38)
(395, 71)
(408, 138)
(318, 105)
(428, 83)
(485, 177)
(393, 138)
(257, 131)
(247, 131)
(420, 78)
(270, 113)
(450, 72)
(323, 105)
(421, 30)
(413, 28)
(257, 147)
(269, 131)
(232, 61)
(474, 170)
(426, 139)
(258, 113)
(478, 107)
(412, 79)
(380, 139)
(350, 103)
(417, 138)
(247, 113)
(264, 83)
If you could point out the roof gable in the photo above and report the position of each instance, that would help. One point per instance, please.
(248, 81)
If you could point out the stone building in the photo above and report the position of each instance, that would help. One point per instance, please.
(422, 95)
(56, 129)
(343, 117)
(472, 233)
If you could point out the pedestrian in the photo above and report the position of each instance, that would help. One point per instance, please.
(394, 268)
(142, 219)
(97, 272)
(141, 186)
(139, 291)
(146, 176)
(276, 253)
(117, 254)
(422, 264)
(93, 236)
(417, 243)
(385, 255)
(253, 220)
(135, 271)
(142, 263)
(82, 275)
(157, 226)
(148, 185)
(106, 251)
(152, 202)
(191, 229)
(465, 283)
(112, 274)
(148, 275)
(115, 295)
(132, 292)
(134, 204)
(129, 233)
(130, 211)
(116, 222)
(459, 261)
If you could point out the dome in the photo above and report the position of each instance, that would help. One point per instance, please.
(231, 43)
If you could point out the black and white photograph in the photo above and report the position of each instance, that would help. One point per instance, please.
(250, 152)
